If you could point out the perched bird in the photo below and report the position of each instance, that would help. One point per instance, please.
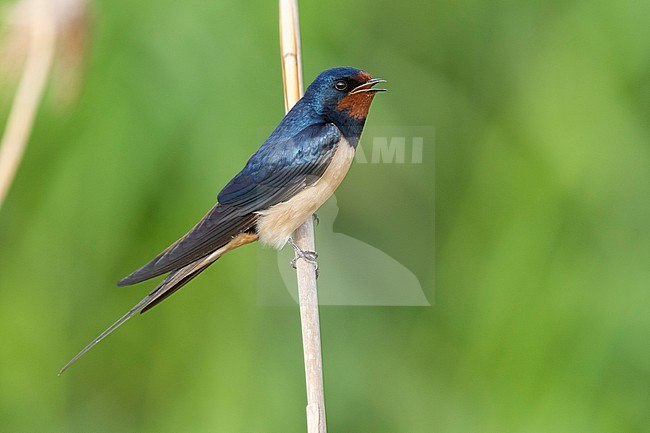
(291, 175)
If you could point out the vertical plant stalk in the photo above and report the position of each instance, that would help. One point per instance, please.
(42, 34)
(304, 235)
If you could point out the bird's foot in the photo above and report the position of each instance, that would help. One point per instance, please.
(315, 218)
(308, 256)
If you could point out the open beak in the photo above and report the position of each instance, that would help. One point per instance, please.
(367, 86)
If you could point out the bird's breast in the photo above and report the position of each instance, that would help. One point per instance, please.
(276, 224)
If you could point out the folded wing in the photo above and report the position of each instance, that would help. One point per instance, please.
(275, 173)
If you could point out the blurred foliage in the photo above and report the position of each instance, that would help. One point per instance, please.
(541, 316)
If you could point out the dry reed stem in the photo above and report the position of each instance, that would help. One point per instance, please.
(42, 43)
(304, 235)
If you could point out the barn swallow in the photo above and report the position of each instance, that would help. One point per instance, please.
(289, 177)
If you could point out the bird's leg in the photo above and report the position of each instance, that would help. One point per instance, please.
(315, 218)
(308, 256)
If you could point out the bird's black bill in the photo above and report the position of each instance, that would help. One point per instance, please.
(368, 86)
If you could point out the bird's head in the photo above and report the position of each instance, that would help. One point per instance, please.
(343, 95)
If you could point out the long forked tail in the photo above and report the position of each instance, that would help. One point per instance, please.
(169, 285)
(132, 312)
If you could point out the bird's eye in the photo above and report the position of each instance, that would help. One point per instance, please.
(340, 85)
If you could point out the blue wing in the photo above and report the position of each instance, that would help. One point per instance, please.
(276, 172)
(281, 168)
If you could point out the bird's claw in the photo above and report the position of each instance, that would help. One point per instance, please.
(308, 256)
(315, 218)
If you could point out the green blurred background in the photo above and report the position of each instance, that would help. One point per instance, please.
(541, 303)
